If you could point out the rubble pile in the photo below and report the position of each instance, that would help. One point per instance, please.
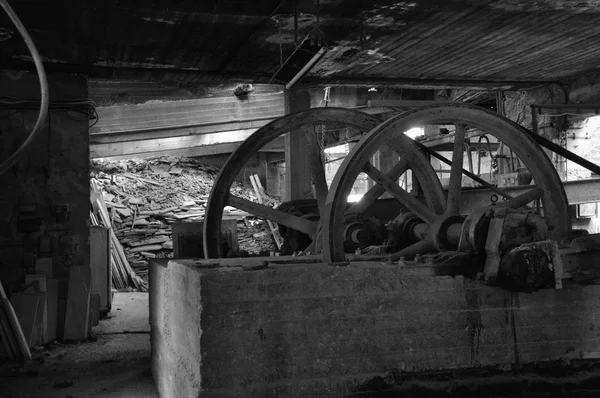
(144, 197)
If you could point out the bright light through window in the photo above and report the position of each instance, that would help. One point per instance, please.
(354, 197)
(337, 149)
(593, 123)
(415, 132)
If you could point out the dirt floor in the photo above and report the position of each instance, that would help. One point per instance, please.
(116, 363)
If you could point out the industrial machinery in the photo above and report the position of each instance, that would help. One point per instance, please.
(503, 233)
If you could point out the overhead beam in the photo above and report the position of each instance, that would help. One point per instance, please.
(589, 109)
(578, 192)
(176, 131)
(201, 75)
(486, 85)
(128, 151)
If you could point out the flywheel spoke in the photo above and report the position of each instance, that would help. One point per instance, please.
(375, 192)
(280, 217)
(421, 247)
(454, 189)
(472, 176)
(421, 210)
(316, 165)
(523, 199)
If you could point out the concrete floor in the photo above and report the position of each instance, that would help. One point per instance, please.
(115, 364)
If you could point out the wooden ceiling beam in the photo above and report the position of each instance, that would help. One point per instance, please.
(204, 76)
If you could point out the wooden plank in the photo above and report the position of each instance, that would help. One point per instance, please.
(289, 220)
(203, 119)
(40, 324)
(100, 264)
(403, 104)
(25, 308)
(188, 112)
(112, 151)
(175, 131)
(274, 230)
(146, 248)
(38, 285)
(52, 308)
(15, 325)
(149, 145)
(7, 336)
(78, 303)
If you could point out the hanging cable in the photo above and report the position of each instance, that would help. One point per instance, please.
(44, 95)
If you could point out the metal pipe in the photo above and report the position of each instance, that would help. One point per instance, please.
(44, 93)
(306, 67)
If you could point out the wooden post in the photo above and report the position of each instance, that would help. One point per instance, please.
(262, 170)
(297, 166)
(386, 159)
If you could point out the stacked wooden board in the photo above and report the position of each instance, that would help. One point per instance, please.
(122, 274)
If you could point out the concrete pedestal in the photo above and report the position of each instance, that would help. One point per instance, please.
(313, 330)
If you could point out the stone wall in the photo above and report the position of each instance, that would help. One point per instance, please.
(311, 330)
(44, 199)
(517, 107)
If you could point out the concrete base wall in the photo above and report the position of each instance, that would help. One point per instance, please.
(316, 330)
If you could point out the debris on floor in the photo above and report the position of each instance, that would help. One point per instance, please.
(115, 363)
(143, 197)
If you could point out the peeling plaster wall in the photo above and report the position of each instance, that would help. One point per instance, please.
(517, 105)
(583, 138)
(52, 175)
(585, 89)
(579, 134)
(582, 133)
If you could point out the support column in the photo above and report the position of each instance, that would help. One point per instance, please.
(45, 199)
(384, 160)
(387, 158)
(297, 166)
(375, 160)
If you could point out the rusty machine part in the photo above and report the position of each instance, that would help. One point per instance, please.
(360, 230)
(294, 240)
(440, 226)
(303, 122)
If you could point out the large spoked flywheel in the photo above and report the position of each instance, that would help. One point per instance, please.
(304, 122)
(441, 219)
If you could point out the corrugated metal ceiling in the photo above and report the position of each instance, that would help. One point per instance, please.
(191, 42)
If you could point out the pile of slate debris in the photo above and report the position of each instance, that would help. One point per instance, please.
(141, 198)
